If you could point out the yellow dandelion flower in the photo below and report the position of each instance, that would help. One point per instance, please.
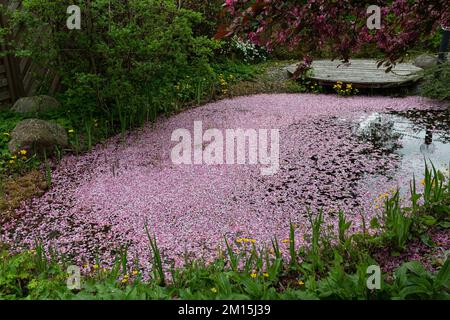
(135, 272)
(214, 290)
(422, 182)
(95, 266)
(71, 131)
(300, 282)
(285, 241)
(253, 275)
(124, 280)
(266, 275)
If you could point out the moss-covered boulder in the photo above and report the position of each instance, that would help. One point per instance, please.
(37, 136)
(40, 103)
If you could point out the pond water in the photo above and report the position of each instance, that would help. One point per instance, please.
(324, 164)
(413, 135)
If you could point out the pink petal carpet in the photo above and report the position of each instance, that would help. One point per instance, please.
(92, 209)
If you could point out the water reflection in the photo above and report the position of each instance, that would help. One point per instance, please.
(428, 147)
(413, 135)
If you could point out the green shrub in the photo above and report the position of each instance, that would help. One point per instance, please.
(213, 13)
(436, 82)
(125, 62)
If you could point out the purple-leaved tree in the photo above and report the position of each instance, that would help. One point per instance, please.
(341, 25)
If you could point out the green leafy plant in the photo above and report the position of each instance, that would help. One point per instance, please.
(157, 262)
(412, 281)
(396, 221)
(435, 82)
(436, 192)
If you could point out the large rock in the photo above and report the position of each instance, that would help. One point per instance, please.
(425, 61)
(35, 136)
(35, 104)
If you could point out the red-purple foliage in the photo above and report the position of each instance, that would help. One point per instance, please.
(339, 24)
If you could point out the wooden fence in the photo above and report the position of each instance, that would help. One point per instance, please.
(18, 76)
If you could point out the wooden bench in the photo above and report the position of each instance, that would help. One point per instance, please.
(361, 73)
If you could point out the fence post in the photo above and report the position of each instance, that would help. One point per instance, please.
(443, 50)
(11, 63)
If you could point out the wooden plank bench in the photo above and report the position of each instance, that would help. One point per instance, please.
(361, 73)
